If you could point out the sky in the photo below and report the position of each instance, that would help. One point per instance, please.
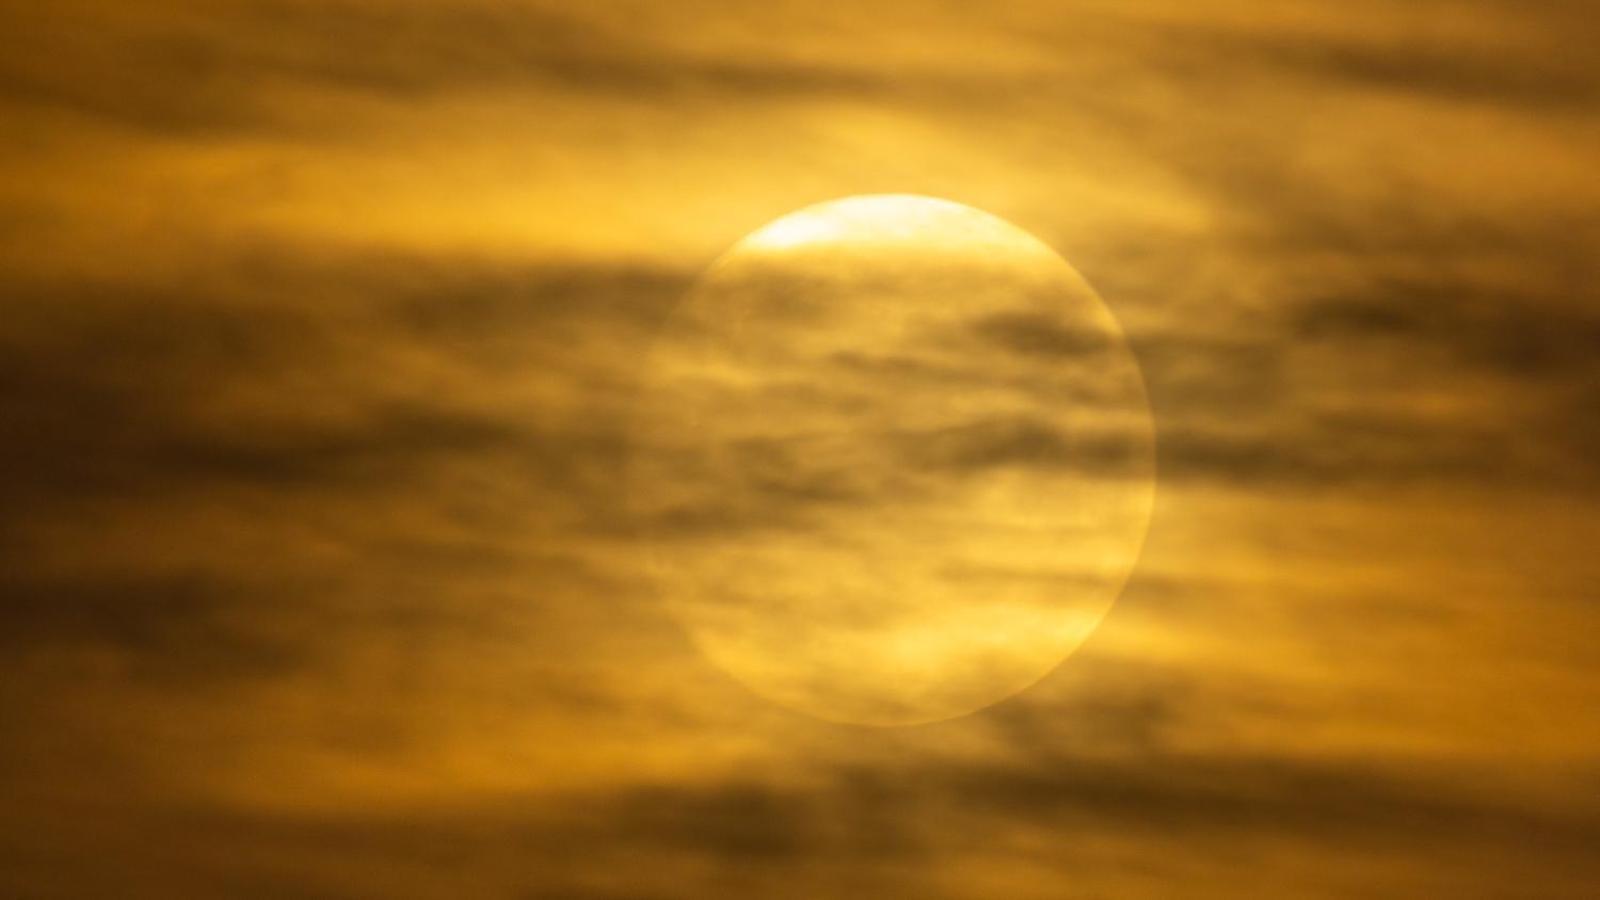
(324, 329)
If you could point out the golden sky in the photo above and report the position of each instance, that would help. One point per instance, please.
(324, 333)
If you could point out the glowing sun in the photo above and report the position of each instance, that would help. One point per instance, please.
(895, 460)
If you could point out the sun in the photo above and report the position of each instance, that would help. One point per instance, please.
(894, 460)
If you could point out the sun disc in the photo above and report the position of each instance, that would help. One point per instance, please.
(896, 460)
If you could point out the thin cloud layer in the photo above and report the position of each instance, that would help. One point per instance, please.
(322, 355)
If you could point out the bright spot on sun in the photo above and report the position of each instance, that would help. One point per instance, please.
(895, 460)
(877, 219)
(796, 230)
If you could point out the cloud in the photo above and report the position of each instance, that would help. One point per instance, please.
(172, 630)
(325, 371)
(936, 832)
(1482, 68)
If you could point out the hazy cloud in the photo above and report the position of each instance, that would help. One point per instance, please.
(326, 368)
